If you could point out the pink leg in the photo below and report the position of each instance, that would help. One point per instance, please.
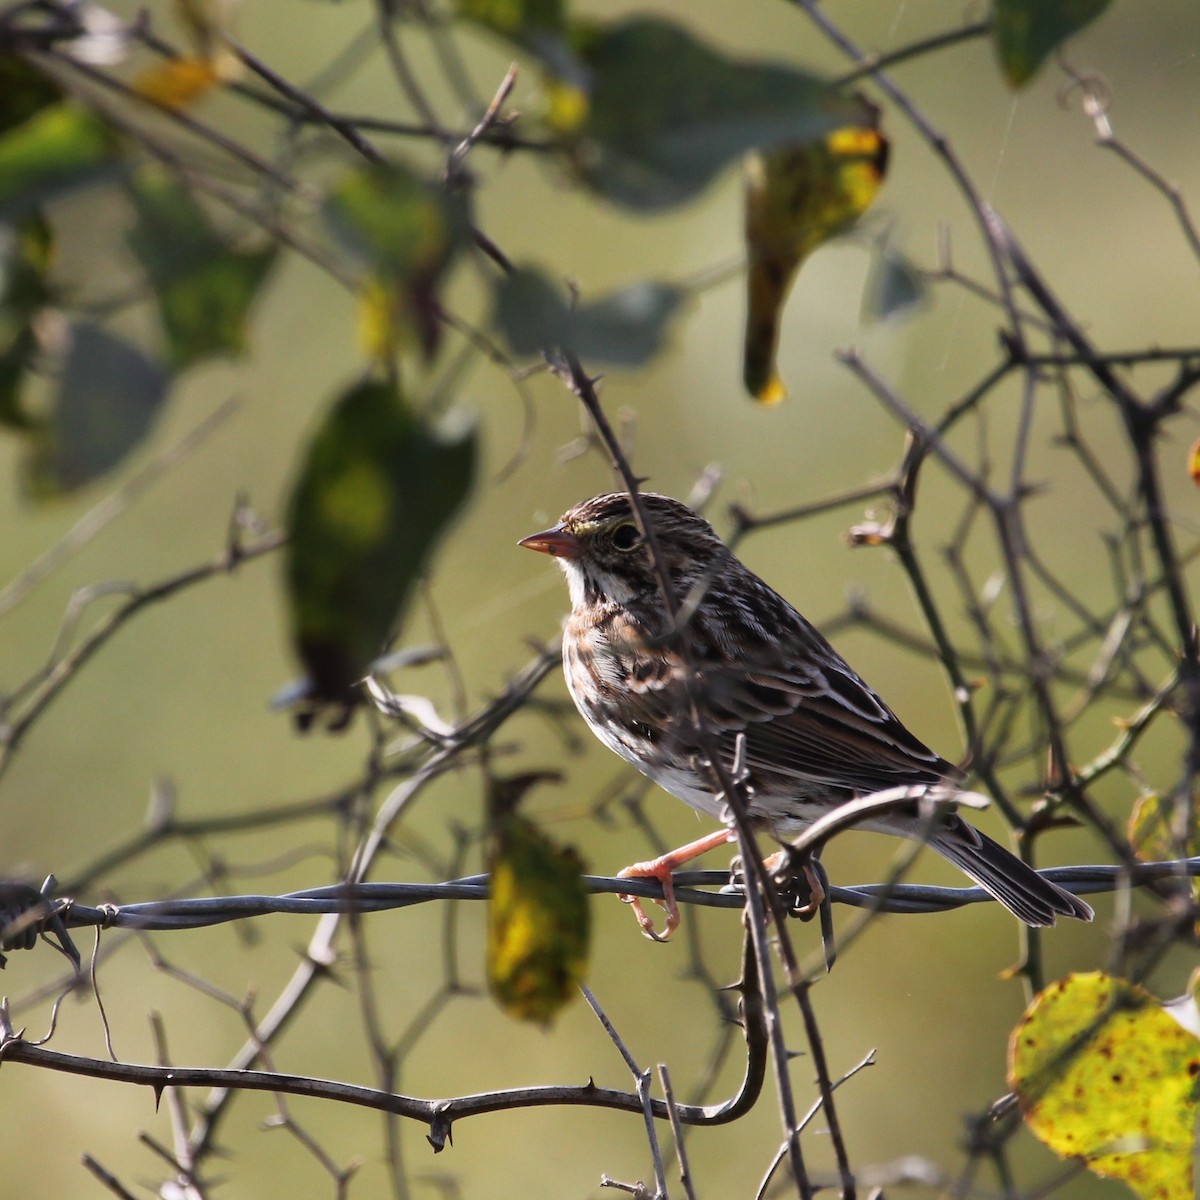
(660, 868)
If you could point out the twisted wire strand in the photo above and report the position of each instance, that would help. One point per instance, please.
(692, 887)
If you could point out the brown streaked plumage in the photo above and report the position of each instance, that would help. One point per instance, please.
(815, 734)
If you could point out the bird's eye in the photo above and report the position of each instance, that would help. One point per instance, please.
(625, 537)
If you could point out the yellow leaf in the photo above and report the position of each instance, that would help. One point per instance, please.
(380, 319)
(178, 82)
(1194, 461)
(538, 916)
(796, 198)
(1106, 1075)
(566, 106)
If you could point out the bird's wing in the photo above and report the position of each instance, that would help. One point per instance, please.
(804, 711)
(752, 665)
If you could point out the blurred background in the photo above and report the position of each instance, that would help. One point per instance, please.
(182, 693)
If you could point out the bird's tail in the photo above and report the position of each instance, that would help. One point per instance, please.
(1025, 893)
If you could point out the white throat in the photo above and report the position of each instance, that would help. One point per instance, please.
(612, 587)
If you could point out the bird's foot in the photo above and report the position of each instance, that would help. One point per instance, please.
(802, 892)
(653, 870)
(661, 868)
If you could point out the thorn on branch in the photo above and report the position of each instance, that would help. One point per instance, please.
(439, 1135)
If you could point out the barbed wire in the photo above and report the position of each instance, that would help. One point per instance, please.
(709, 889)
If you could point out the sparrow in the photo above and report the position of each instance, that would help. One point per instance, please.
(738, 668)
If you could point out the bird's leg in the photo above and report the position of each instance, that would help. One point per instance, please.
(660, 868)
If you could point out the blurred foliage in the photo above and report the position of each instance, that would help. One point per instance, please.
(376, 491)
(404, 231)
(652, 114)
(1027, 32)
(625, 328)
(60, 148)
(203, 287)
(106, 399)
(539, 923)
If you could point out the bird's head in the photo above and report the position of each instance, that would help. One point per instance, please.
(603, 553)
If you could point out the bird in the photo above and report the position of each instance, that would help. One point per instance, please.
(737, 668)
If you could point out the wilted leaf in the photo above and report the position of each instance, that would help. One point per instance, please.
(625, 327)
(203, 287)
(655, 114)
(1106, 1075)
(177, 82)
(1027, 32)
(405, 232)
(59, 148)
(108, 395)
(376, 491)
(539, 923)
(796, 198)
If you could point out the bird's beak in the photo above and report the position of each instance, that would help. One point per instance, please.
(557, 542)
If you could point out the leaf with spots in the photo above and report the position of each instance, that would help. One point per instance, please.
(1105, 1074)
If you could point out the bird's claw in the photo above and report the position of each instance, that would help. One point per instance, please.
(653, 870)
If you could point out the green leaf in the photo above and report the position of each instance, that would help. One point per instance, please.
(525, 22)
(663, 113)
(404, 231)
(108, 395)
(25, 253)
(376, 491)
(15, 360)
(1027, 32)
(59, 148)
(1105, 1074)
(393, 220)
(203, 286)
(539, 922)
(625, 328)
(24, 91)
(894, 286)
